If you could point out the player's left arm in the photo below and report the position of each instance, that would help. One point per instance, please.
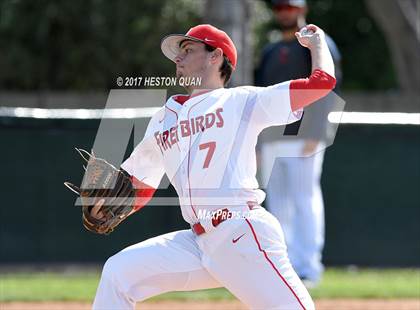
(143, 194)
(144, 167)
(303, 92)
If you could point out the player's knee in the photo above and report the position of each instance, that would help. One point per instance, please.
(111, 267)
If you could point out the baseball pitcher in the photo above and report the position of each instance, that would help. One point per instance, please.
(205, 143)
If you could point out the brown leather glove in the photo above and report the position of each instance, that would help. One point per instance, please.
(103, 181)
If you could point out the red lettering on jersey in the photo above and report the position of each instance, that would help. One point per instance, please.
(199, 123)
(185, 128)
(210, 119)
(174, 135)
(158, 140)
(193, 131)
(165, 136)
(168, 138)
(220, 121)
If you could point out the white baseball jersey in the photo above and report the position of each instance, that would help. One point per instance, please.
(206, 146)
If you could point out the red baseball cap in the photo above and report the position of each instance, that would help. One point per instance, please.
(206, 34)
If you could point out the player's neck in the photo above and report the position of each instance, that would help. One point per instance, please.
(289, 35)
(204, 87)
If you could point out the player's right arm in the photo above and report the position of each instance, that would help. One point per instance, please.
(283, 103)
(303, 92)
(313, 38)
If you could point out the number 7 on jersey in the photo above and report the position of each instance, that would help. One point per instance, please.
(211, 146)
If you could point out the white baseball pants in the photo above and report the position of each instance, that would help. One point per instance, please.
(247, 256)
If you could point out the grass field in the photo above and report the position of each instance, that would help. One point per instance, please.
(337, 283)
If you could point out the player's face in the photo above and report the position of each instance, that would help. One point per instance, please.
(287, 16)
(192, 60)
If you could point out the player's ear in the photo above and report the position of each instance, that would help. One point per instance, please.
(217, 55)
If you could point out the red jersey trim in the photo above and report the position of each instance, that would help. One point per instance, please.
(182, 98)
(144, 193)
(303, 92)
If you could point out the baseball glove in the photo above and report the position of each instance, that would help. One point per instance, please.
(103, 181)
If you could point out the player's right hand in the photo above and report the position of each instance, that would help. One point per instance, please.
(310, 36)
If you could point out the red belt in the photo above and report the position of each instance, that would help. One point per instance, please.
(220, 217)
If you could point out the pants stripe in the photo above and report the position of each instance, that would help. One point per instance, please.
(272, 264)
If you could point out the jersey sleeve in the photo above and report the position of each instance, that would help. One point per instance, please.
(271, 105)
(144, 193)
(283, 103)
(303, 92)
(146, 161)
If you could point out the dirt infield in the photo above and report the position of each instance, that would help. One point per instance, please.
(321, 304)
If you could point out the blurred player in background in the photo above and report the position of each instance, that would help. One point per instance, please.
(294, 193)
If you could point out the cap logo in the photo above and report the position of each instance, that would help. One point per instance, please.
(208, 40)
